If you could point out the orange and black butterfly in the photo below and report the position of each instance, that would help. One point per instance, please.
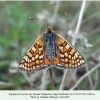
(51, 49)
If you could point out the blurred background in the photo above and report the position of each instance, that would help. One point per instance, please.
(18, 32)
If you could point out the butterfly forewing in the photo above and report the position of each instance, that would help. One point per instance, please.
(67, 55)
(35, 59)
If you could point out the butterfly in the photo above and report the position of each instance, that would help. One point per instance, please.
(51, 49)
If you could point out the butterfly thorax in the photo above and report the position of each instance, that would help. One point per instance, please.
(50, 46)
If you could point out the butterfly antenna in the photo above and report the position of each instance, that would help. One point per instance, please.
(31, 18)
(64, 14)
(56, 20)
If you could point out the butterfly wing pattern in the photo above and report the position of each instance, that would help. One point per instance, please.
(51, 48)
(34, 58)
(68, 56)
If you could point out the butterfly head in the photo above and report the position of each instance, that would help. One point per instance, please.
(49, 29)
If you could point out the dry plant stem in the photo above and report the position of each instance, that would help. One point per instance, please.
(36, 76)
(52, 77)
(28, 79)
(91, 17)
(96, 80)
(55, 12)
(43, 80)
(39, 30)
(89, 76)
(74, 21)
(63, 80)
(77, 31)
(84, 76)
(97, 29)
(79, 22)
(74, 39)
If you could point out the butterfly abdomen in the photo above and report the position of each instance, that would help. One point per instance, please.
(50, 45)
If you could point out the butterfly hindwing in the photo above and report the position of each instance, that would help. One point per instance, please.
(68, 56)
(35, 59)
